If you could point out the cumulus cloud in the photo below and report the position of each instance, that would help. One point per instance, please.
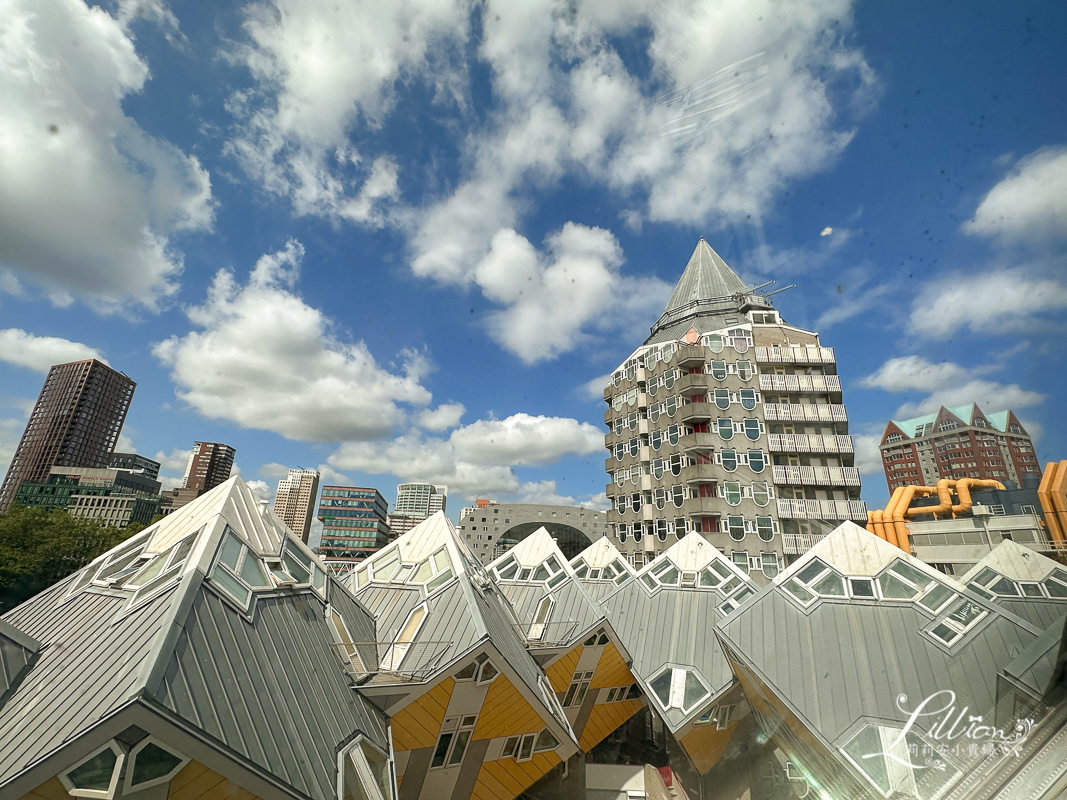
(946, 383)
(262, 490)
(445, 416)
(731, 102)
(476, 459)
(1029, 205)
(90, 202)
(40, 352)
(868, 456)
(172, 466)
(322, 68)
(10, 434)
(262, 358)
(1003, 301)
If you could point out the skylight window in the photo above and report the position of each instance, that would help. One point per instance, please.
(893, 764)
(540, 621)
(404, 639)
(962, 617)
(364, 773)
(817, 579)
(679, 688)
(96, 775)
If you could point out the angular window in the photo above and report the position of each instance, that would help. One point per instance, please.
(678, 688)
(404, 638)
(456, 733)
(544, 609)
(740, 559)
(151, 764)
(97, 775)
(577, 690)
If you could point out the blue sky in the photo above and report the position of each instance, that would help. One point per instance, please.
(407, 240)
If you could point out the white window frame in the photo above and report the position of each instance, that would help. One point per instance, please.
(398, 650)
(101, 794)
(363, 769)
(127, 785)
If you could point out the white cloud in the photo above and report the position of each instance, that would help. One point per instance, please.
(273, 471)
(89, 202)
(264, 359)
(868, 456)
(10, 433)
(1029, 205)
(543, 493)
(594, 389)
(445, 416)
(946, 383)
(477, 459)
(40, 352)
(262, 490)
(172, 467)
(826, 231)
(324, 68)
(1007, 300)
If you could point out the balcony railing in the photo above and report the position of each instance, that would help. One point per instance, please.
(796, 354)
(393, 662)
(797, 412)
(855, 510)
(800, 383)
(809, 443)
(815, 476)
(796, 543)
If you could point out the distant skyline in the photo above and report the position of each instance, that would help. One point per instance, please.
(407, 241)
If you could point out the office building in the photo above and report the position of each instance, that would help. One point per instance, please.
(491, 529)
(420, 500)
(134, 462)
(399, 524)
(294, 502)
(425, 675)
(961, 441)
(209, 465)
(728, 422)
(353, 524)
(113, 497)
(75, 422)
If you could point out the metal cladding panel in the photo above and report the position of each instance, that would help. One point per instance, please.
(572, 605)
(89, 665)
(847, 660)
(1040, 613)
(272, 690)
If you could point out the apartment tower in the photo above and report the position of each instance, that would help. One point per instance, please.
(75, 423)
(728, 421)
(295, 500)
(959, 442)
(420, 499)
(209, 465)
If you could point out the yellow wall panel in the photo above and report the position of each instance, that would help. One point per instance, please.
(611, 670)
(561, 671)
(604, 718)
(51, 789)
(197, 782)
(705, 745)
(506, 713)
(508, 778)
(419, 723)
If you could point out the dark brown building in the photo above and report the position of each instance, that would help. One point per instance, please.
(75, 423)
(957, 442)
(209, 465)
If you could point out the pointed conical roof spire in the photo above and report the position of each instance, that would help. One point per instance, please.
(706, 277)
(708, 286)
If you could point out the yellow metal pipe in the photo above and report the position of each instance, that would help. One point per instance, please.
(1047, 509)
(899, 525)
(870, 521)
(963, 491)
(943, 490)
(1058, 496)
(900, 500)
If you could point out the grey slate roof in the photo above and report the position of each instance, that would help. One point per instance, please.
(675, 625)
(263, 685)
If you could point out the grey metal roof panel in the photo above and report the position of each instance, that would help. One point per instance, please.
(271, 690)
(88, 636)
(358, 620)
(844, 660)
(705, 277)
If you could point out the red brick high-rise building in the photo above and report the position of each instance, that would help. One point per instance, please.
(958, 442)
(75, 423)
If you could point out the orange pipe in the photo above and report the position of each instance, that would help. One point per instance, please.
(870, 521)
(900, 500)
(944, 495)
(963, 490)
(901, 527)
(1047, 508)
(1058, 497)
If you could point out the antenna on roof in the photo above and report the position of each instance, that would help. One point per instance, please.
(776, 291)
(756, 288)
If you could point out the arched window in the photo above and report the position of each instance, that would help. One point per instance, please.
(725, 427)
(748, 399)
(756, 460)
(736, 527)
(718, 370)
(728, 459)
(752, 429)
(722, 398)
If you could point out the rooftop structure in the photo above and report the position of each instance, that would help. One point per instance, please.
(113, 497)
(75, 422)
(214, 652)
(294, 502)
(492, 529)
(959, 441)
(728, 422)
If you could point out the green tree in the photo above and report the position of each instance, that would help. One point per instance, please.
(39, 547)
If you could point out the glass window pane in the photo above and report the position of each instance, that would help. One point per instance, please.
(865, 748)
(798, 591)
(439, 581)
(95, 773)
(252, 571)
(936, 597)
(231, 551)
(832, 584)
(461, 745)
(442, 750)
(894, 588)
(661, 686)
(694, 690)
(407, 633)
(153, 568)
(233, 587)
(152, 762)
(296, 567)
(526, 748)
